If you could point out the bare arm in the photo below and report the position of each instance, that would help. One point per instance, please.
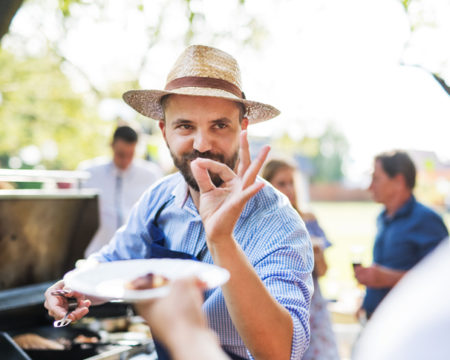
(178, 322)
(264, 325)
(195, 344)
(320, 264)
(377, 276)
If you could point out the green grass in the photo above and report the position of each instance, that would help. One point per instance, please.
(347, 224)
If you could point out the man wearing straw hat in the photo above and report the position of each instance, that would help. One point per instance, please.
(216, 210)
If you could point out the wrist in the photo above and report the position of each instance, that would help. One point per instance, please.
(220, 246)
(390, 277)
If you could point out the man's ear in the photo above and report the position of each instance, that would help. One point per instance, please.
(244, 123)
(400, 180)
(162, 126)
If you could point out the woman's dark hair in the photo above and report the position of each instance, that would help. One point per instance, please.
(126, 134)
(398, 162)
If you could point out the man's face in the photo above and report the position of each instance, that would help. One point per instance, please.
(197, 126)
(123, 153)
(382, 186)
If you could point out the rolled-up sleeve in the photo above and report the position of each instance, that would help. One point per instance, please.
(427, 233)
(285, 269)
(132, 240)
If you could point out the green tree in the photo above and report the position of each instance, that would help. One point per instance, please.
(327, 152)
(38, 107)
(333, 151)
(37, 104)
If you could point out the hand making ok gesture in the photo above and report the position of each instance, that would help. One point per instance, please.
(220, 207)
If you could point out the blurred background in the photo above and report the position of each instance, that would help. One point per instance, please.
(352, 78)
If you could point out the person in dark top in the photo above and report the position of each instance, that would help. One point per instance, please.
(406, 229)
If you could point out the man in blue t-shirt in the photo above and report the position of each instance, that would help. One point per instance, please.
(407, 230)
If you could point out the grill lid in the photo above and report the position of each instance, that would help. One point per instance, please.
(42, 234)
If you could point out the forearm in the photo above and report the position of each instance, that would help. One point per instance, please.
(264, 325)
(378, 277)
(389, 277)
(320, 265)
(195, 344)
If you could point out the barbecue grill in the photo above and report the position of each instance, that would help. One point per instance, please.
(42, 235)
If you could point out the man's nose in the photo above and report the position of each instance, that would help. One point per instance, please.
(202, 141)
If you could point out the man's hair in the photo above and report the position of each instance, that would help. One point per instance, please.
(126, 134)
(398, 162)
(165, 103)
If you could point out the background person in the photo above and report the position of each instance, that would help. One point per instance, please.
(406, 229)
(413, 322)
(121, 181)
(323, 344)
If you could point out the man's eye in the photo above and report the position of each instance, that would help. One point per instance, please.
(184, 127)
(221, 125)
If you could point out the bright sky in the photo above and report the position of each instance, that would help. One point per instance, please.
(321, 61)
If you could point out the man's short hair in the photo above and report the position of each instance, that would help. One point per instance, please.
(398, 162)
(126, 134)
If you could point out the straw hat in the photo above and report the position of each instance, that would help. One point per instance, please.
(200, 71)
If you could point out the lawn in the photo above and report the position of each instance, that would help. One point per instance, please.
(349, 226)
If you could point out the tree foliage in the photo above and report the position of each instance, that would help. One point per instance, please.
(327, 153)
(329, 160)
(39, 107)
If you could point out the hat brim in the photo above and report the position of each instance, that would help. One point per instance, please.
(148, 102)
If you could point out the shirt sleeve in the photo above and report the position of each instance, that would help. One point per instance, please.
(429, 233)
(285, 270)
(132, 240)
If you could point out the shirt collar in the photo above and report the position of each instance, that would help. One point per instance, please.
(249, 207)
(403, 211)
(180, 192)
(118, 172)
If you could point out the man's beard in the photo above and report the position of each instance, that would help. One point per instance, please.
(183, 163)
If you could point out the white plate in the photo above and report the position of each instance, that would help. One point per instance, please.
(107, 280)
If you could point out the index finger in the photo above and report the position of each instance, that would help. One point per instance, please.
(78, 313)
(244, 153)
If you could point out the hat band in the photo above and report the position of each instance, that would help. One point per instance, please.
(205, 82)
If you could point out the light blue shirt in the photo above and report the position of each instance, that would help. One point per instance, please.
(270, 232)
